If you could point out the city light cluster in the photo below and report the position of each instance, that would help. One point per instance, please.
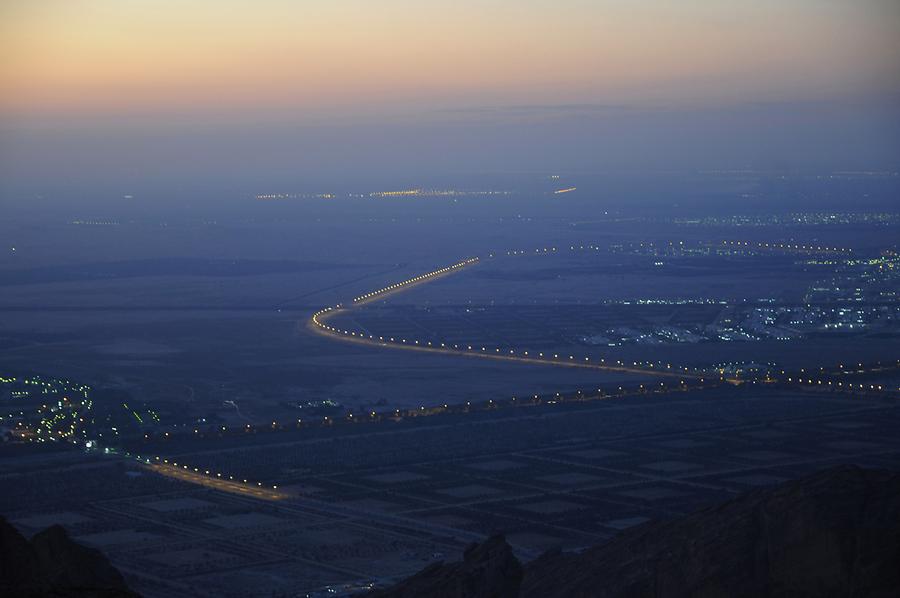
(794, 219)
(399, 193)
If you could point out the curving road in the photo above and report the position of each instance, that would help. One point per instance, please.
(319, 323)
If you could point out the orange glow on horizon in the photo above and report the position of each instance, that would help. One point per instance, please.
(105, 56)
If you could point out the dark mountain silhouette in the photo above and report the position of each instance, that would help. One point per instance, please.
(835, 533)
(52, 565)
(487, 569)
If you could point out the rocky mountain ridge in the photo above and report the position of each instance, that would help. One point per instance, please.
(835, 533)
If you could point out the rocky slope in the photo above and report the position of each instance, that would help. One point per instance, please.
(836, 533)
(487, 569)
(52, 565)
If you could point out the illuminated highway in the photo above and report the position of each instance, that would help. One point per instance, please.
(815, 382)
(856, 380)
(215, 481)
(788, 247)
(319, 323)
(845, 379)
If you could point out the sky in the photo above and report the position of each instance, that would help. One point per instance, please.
(162, 93)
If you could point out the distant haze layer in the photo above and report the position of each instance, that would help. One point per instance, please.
(125, 93)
